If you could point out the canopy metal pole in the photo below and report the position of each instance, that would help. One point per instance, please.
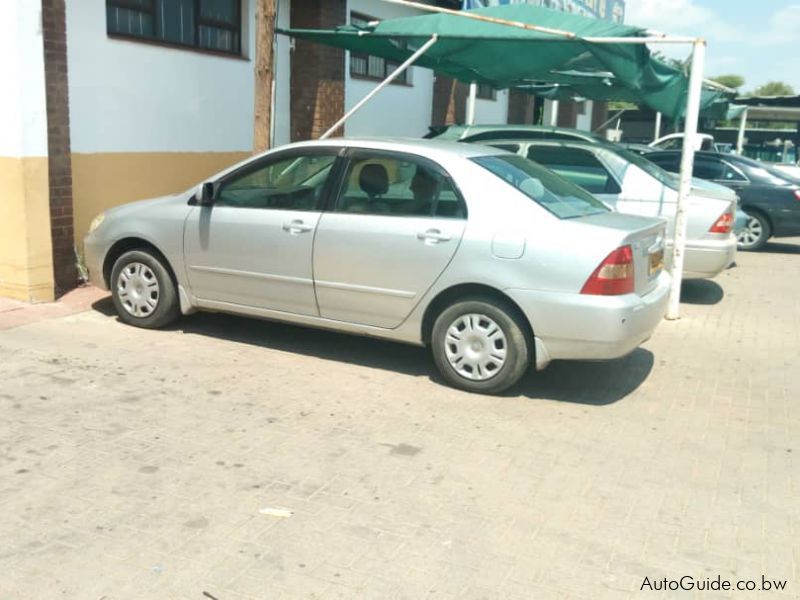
(473, 96)
(742, 128)
(657, 131)
(554, 113)
(687, 162)
(392, 76)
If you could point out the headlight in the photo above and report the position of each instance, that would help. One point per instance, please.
(96, 222)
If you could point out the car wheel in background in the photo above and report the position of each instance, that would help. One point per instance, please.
(756, 232)
(481, 345)
(143, 291)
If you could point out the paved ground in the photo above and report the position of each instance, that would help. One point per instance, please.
(136, 464)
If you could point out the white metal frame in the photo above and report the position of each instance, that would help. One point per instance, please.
(690, 121)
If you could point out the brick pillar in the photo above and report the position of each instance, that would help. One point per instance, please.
(567, 113)
(317, 72)
(449, 101)
(599, 113)
(58, 144)
(520, 108)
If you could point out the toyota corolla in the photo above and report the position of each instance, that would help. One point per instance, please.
(491, 260)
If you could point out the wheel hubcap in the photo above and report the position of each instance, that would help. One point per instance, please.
(137, 288)
(752, 233)
(476, 347)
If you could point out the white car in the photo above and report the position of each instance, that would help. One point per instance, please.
(632, 184)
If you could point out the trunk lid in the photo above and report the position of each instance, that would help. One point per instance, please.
(647, 238)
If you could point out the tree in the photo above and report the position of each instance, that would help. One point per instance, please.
(774, 88)
(731, 81)
(265, 35)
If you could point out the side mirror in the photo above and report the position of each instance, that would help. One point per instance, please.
(206, 195)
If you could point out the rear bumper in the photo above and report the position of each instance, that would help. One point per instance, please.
(708, 258)
(581, 327)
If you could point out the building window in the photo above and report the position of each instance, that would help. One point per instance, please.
(365, 66)
(214, 25)
(486, 92)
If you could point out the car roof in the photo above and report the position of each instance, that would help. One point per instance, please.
(460, 132)
(422, 147)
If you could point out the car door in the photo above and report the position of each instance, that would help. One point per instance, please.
(580, 166)
(392, 230)
(253, 246)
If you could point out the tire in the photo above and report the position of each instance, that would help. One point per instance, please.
(143, 291)
(479, 368)
(756, 233)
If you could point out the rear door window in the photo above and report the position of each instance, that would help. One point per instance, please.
(579, 166)
(398, 185)
(708, 168)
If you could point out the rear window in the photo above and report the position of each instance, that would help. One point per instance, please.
(562, 198)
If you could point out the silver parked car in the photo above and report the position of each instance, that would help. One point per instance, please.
(495, 262)
(631, 184)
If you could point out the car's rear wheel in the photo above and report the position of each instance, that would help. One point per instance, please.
(481, 345)
(143, 291)
(756, 233)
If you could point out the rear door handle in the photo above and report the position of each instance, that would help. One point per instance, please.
(296, 226)
(433, 236)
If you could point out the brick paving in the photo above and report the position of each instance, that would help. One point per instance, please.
(137, 464)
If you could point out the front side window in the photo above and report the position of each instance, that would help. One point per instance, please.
(578, 166)
(295, 183)
(563, 199)
(214, 25)
(385, 185)
(366, 66)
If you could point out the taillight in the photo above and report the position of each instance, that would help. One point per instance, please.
(724, 224)
(614, 276)
(797, 194)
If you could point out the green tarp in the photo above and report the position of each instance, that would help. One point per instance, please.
(512, 57)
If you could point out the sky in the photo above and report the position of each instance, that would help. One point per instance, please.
(758, 40)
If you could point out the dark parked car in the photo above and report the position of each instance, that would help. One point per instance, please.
(770, 198)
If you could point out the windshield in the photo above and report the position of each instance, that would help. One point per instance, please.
(562, 198)
(651, 168)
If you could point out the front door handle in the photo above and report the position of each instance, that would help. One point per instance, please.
(433, 236)
(296, 226)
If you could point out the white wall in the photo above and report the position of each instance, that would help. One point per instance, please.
(398, 110)
(23, 108)
(127, 96)
(583, 120)
(492, 112)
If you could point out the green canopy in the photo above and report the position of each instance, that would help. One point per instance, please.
(503, 56)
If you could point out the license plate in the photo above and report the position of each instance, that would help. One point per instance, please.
(656, 262)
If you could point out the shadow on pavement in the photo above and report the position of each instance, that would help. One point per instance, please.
(593, 383)
(780, 248)
(701, 291)
(596, 383)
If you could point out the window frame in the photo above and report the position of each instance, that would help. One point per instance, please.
(199, 21)
(485, 92)
(354, 154)
(272, 158)
(404, 79)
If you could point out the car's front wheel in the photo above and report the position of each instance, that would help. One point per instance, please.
(143, 291)
(481, 345)
(756, 233)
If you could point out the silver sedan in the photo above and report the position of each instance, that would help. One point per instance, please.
(493, 261)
